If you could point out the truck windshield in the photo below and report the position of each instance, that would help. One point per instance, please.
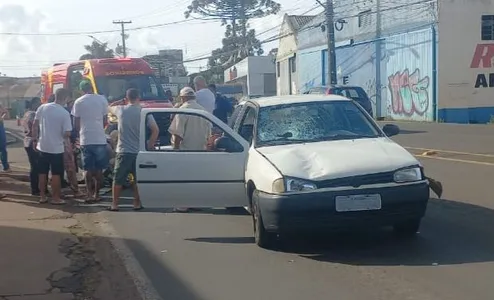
(114, 87)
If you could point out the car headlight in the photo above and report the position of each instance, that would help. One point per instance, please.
(288, 184)
(408, 175)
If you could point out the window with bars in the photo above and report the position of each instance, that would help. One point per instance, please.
(487, 30)
(364, 18)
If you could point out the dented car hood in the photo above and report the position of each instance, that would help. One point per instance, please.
(336, 159)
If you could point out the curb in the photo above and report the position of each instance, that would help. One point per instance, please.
(139, 277)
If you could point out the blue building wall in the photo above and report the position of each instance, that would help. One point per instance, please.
(310, 69)
(405, 79)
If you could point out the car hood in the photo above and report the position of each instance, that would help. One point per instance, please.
(336, 159)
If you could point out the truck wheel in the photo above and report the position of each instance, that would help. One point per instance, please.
(263, 238)
(407, 228)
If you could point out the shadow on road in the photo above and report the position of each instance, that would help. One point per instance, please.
(403, 131)
(452, 233)
(224, 240)
(93, 266)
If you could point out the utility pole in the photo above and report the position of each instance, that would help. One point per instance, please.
(329, 10)
(378, 60)
(122, 24)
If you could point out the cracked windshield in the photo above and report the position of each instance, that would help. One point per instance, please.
(246, 149)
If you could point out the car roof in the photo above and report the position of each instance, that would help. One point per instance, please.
(294, 99)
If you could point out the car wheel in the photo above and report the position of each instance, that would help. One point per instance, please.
(408, 228)
(263, 238)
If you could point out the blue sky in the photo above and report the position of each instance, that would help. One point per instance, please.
(26, 55)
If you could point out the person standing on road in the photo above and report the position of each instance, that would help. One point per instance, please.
(51, 127)
(223, 107)
(189, 132)
(3, 141)
(129, 118)
(90, 116)
(69, 157)
(204, 96)
(32, 154)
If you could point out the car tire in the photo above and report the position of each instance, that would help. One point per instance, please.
(408, 228)
(262, 237)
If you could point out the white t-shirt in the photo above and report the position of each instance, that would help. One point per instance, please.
(206, 99)
(54, 122)
(91, 109)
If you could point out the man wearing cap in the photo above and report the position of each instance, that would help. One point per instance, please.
(90, 113)
(189, 132)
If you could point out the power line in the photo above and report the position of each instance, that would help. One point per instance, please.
(122, 26)
(102, 31)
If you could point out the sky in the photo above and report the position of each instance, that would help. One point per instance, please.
(26, 55)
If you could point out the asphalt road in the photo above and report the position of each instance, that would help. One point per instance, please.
(211, 255)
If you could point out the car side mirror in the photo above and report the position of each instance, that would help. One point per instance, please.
(391, 130)
(227, 144)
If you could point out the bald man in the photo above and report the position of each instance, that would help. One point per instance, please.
(204, 96)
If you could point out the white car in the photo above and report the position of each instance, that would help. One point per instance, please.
(298, 163)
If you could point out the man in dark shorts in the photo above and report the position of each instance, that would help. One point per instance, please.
(129, 121)
(52, 126)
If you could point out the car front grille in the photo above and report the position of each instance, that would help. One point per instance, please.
(356, 181)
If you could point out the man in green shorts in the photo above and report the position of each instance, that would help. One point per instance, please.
(129, 120)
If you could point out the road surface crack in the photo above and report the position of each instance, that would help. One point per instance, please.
(82, 276)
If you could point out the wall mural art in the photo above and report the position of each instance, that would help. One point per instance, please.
(409, 93)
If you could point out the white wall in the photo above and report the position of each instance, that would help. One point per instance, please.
(258, 66)
(459, 35)
(396, 16)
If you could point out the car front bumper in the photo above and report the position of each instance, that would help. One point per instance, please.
(317, 210)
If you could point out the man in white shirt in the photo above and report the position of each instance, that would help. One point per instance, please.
(204, 96)
(55, 126)
(90, 115)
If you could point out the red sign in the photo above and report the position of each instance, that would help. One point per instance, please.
(482, 59)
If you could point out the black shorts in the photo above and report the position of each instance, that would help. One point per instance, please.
(51, 162)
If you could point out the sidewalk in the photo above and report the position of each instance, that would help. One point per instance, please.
(54, 252)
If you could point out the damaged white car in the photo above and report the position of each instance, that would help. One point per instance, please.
(323, 163)
(298, 163)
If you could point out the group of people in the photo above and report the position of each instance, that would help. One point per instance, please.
(52, 129)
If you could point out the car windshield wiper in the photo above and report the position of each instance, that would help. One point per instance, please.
(347, 137)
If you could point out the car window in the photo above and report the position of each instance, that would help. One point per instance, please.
(198, 133)
(313, 122)
(246, 126)
(350, 93)
(234, 116)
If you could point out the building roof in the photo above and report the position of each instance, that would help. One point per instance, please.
(297, 22)
(294, 99)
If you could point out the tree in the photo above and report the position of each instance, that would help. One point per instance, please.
(273, 52)
(98, 50)
(239, 41)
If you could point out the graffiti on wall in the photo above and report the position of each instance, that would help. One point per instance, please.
(409, 93)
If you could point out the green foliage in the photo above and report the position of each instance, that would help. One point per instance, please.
(97, 50)
(240, 41)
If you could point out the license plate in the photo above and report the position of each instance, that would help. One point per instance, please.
(358, 203)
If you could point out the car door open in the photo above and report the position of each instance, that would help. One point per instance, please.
(207, 177)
